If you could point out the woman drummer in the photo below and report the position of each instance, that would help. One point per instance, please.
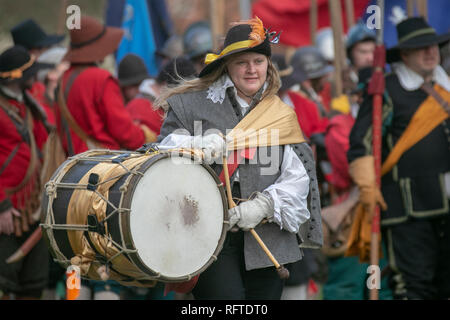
(273, 181)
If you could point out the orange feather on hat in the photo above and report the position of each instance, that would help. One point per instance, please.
(258, 33)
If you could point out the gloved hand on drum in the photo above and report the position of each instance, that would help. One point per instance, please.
(249, 214)
(212, 145)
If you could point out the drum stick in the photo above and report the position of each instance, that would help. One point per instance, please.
(26, 247)
(283, 273)
(231, 203)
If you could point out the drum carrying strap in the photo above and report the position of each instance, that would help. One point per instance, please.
(66, 116)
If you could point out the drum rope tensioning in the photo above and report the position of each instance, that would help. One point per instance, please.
(111, 184)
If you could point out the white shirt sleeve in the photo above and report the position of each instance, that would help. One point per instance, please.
(290, 192)
(174, 140)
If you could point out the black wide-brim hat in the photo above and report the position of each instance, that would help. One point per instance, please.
(248, 36)
(16, 64)
(414, 33)
(30, 35)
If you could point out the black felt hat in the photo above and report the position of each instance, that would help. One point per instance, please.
(132, 70)
(248, 36)
(16, 64)
(176, 69)
(30, 35)
(415, 33)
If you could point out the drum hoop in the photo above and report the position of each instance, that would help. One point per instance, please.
(125, 221)
(47, 215)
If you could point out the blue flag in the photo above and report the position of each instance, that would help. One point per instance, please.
(138, 37)
(437, 17)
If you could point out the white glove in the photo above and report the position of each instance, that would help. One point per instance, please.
(212, 145)
(249, 214)
(6, 220)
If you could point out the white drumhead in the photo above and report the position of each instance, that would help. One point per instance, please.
(176, 217)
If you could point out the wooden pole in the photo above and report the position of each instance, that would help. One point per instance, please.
(410, 7)
(61, 17)
(350, 13)
(217, 21)
(245, 8)
(313, 21)
(376, 88)
(422, 8)
(339, 53)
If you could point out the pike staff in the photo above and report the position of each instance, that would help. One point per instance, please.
(376, 89)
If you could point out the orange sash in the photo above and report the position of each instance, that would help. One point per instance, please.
(427, 117)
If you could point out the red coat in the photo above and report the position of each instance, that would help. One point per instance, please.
(96, 104)
(15, 171)
(141, 110)
(337, 144)
(308, 115)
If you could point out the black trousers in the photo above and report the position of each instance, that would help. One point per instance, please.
(227, 279)
(29, 276)
(419, 256)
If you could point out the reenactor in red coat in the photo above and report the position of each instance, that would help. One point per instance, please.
(90, 111)
(24, 133)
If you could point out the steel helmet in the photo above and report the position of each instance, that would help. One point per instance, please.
(325, 43)
(197, 39)
(310, 60)
(359, 32)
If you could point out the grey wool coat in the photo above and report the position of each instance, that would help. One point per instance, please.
(196, 114)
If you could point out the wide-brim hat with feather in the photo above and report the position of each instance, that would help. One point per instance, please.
(244, 36)
(414, 33)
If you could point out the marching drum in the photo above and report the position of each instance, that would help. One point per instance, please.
(144, 217)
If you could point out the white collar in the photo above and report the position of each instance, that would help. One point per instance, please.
(146, 87)
(411, 80)
(216, 91)
(286, 99)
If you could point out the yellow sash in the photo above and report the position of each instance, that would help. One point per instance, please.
(270, 123)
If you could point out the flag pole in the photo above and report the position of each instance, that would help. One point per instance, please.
(376, 89)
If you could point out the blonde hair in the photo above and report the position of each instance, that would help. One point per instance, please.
(199, 84)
